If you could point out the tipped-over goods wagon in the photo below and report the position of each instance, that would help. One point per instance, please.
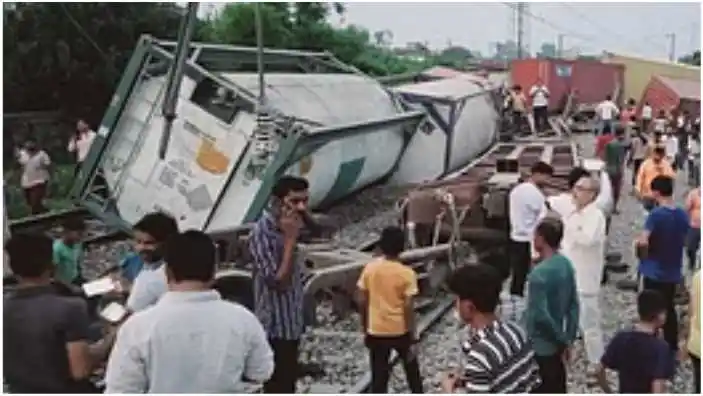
(322, 119)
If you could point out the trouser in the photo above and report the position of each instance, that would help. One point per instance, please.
(636, 164)
(602, 127)
(616, 186)
(672, 160)
(645, 125)
(379, 354)
(518, 122)
(520, 260)
(668, 291)
(285, 371)
(553, 373)
(694, 172)
(35, 198)
(693, 243)
(590, 323)
(541, 116)
(696, 362)
(77, 168)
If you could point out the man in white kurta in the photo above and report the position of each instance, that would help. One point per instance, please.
(584, 244)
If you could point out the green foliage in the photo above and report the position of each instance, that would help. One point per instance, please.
(57, 196)
(69, 56)
(305, 26)
(692, 59)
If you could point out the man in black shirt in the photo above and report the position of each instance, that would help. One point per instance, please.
(45, 333)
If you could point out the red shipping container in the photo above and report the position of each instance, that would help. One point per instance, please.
(590, 80)
(667, 93)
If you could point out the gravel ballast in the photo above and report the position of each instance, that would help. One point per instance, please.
(337, 344)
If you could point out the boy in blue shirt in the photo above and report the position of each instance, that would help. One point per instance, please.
(641, 358)
(664, 238)
(68, 253)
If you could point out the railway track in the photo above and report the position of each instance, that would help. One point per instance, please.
(50, 223)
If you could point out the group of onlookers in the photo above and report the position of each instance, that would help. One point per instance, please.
(516, 102)
(178, 335)
(37, 165)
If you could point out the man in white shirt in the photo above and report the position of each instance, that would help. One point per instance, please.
(646, 116)
(80, 143)
(607, 112)
(526, 207)
(671, 145)
(584, 244)
(540, 105)
(147, 269)
(191, 341)
(35, 175)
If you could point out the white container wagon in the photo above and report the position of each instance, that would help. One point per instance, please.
(327, 122)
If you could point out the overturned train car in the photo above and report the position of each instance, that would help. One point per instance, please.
(323, 120)
(472, 205)
(340, 129)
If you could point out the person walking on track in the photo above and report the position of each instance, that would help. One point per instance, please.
(35, 175)
(386, 289)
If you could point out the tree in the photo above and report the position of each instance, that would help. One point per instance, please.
(454, 56)
(692, 59)
(71, 55)
(547, 50)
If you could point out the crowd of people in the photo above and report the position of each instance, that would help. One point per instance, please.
(37, 165)
(177, 334)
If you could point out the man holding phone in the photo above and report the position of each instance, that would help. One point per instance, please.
(278, 278)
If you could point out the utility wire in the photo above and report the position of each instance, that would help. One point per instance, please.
(546, 22)
(600, 27)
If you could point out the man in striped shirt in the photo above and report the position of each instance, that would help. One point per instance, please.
(499, 358)
(278, 278)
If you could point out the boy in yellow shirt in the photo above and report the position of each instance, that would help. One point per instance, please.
(386, 289)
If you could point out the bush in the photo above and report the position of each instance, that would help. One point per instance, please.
(57, 196)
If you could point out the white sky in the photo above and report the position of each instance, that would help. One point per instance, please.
(633, 27)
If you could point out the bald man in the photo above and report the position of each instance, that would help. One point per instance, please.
(584, 245)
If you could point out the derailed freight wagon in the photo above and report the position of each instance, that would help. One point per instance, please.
(338, 128)
(463, 123)
(667, 93)
(639, 71)
(472, 205)
(589, 80)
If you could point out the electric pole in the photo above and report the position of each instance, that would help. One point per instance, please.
(520, 18)
(560, 46)
(672, 46)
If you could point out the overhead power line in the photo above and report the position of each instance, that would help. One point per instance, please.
(546, 22)
(600, 27)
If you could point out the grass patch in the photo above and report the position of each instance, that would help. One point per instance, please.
(57, 197)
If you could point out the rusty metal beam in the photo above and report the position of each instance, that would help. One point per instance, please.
(349, 272)
(510, 163)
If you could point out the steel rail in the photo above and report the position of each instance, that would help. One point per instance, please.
(425, 323)
(44, 219)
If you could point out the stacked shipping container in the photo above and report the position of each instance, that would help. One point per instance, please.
(590, 80)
